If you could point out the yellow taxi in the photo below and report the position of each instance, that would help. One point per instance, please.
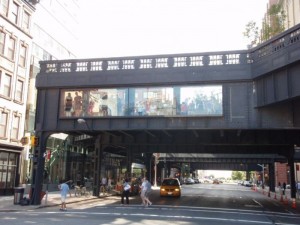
(170, 187)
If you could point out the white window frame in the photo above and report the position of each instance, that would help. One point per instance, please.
(14, 15)
(19, 92)
(4, 7)
(3, 84)
(15, 130)
(3, 124)
(11, 49)
(26, 20)
(2, 44)
(23, 55)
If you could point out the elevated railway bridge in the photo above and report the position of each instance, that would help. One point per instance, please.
(230, 106)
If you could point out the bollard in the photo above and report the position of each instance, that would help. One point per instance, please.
(286, 201)
(294, 203)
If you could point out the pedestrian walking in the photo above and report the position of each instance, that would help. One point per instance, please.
(125, 192)
(283, 188)
(64, 190)
(145, 191)
(148, 191)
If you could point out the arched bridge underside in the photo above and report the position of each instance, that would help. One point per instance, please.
(233, 104)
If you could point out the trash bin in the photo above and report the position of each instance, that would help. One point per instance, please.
(18, 195)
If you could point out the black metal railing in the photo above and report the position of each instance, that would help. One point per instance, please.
(146, 62)
(271, 46)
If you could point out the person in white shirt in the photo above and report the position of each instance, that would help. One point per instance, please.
(145, 190)
(126, 192)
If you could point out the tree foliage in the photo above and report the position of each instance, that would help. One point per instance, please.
(273, 24)
(238, 175)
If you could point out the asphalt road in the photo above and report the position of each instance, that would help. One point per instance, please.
(200, 204)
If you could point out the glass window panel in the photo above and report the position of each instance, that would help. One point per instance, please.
(5, 85)
(2, 42)
(3, 158)
(11, 175)
(201, 100)
(151, 101)
(11, 48)
(26, 20)
(22, 55)
(13, 159)
(15, 130)
(3, 124)
(19, 90)
(14, 13)
(4, 7)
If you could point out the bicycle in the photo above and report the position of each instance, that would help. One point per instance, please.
(82, 191)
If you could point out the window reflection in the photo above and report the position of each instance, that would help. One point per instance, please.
(150, 101)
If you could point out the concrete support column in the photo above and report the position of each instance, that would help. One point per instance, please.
(272, 177)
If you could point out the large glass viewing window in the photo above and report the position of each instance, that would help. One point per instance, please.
(148, 101)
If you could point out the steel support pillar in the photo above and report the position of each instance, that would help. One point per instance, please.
(97, 166)
(272, 177)
(38, 168)
(292, 176)
(129, 164)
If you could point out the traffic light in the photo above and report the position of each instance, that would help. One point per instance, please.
(35, 141)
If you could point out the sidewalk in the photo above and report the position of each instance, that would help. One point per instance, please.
(53, 199)
(286, 200)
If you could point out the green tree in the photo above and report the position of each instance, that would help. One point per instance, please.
(273, 24)
(252, 33)
(238, 175)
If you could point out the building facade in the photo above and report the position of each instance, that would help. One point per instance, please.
(54, 30)
(29, 32)
(15, 51)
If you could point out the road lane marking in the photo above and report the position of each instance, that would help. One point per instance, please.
(257, 202)
(120, 214)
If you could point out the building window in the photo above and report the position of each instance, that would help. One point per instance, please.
(15, 128)
(14, 13)
(19, 91)
(3, 124)
(2, 42)
(4, 7)
(11, 48)
(22, 55)
(26, 21)
(5, 84)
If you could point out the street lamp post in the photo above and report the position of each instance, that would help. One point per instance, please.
(81, 121)
(263, 174)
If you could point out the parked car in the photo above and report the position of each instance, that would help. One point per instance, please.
(247, 183)
(196, 180)
(170, 187)
(216, 181)
(189, 181)
(205, 180)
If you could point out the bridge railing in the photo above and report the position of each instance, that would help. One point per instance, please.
(276, 44)
(146, 62)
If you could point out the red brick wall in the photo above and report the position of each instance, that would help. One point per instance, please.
(281, 173)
